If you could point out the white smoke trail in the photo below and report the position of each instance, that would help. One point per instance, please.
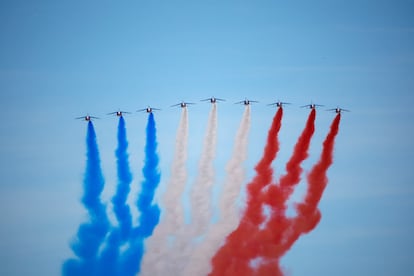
(202, 188)
(200, 199)
(229, 214)
(159, 253)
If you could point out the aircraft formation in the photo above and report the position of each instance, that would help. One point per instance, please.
(263, 239)
(212, 100)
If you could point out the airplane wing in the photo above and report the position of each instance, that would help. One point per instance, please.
(209, 99)
(126, 112)
(176, 105)
(140, 110)
(281, 103)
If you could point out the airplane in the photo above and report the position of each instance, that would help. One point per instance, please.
(87, 118)
(246, 102)
(182, 104)
(311, 105)
(279, 103)
(338, 110)
(148, 109)
(118, 113)
(212, 100)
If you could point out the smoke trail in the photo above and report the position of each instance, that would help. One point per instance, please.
(229, 216)
(235, 175)
(130, 263)
(293, 168)
(283, 232)
(160, 252)
(201, 189)
(275, 197)
(186, 235)
(230, 259)
(90, 234)
(308, 214)
(120, 234)
(121, 209)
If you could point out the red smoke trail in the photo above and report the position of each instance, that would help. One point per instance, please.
(277, 195)
(308, 215)
(264, 172)
(266, 245)
(286, 231)
(287, 182)
(230, 259)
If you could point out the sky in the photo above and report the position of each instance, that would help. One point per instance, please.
(64, 59)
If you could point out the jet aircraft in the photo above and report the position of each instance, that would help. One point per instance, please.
(338, 110)
(148, 109)
(213, 100)
(246, 102)
(87, 118)
(311, 105)
(182, 104)
(119, 113)
(279, 103)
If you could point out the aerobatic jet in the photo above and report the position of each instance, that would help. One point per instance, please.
(87, 118)
(338, 110)
(119, 113)
(246, 102)
(212, 100)
(182, 104)
(279, 103)
(148, 109)
(311, 105)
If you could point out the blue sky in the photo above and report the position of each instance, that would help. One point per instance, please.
(63, 59)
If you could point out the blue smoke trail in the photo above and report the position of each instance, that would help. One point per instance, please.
(149, 213)
(90, 234)
(121, 208)
(119, 235)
